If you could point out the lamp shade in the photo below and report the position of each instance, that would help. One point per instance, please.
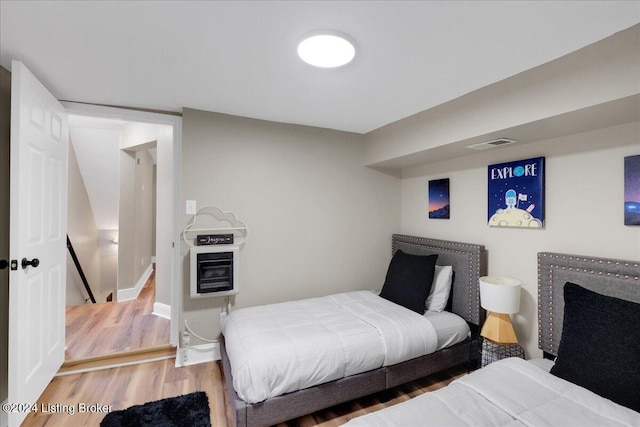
(500, 294)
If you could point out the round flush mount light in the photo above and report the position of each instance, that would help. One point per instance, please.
(326, 49)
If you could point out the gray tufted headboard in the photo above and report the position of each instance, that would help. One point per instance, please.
(616, 278)
(469, 264)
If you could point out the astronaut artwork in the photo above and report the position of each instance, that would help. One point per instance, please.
(516, 194)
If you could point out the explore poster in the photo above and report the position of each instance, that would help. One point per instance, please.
(516, 194)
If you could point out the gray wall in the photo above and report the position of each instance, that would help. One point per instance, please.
(164, 213)
(135, 217)
(154, 207)
(126, 225)
(144, 211)
(5, 123)
(142, 136)
(108, 263)
(82, 231)
(319, 221)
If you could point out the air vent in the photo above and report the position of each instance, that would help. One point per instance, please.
(493, 143)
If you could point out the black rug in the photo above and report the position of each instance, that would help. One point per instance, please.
(190, 410)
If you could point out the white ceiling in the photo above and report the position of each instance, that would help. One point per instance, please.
(240, 57)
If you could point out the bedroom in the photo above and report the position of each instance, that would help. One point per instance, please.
(349, 212)
(269, 161)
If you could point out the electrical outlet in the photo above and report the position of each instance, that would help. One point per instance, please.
(186, 338)
(191, 207)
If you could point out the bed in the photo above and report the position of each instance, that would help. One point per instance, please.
(582, 301)
(468, 262)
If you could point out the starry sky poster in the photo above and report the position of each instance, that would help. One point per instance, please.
(632, 190)
(516, 194)
(439, 199)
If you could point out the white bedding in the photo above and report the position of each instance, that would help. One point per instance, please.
(280, 348)
(511, 392)
(450, 328)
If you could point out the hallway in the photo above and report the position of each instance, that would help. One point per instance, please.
(95, 330)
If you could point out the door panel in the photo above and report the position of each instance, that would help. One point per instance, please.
(39, 144)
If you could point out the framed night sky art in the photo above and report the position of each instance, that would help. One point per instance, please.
(439, 199)
(516, 194)
(632, 190)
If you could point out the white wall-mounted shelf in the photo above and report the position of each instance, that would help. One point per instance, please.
(211, 220)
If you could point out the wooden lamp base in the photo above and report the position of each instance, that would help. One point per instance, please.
(498, 328)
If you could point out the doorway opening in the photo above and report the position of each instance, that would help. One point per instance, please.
(38, 216)
(120, 224)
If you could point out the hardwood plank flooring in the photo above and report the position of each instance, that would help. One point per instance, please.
(123, 387)
(104, 329)
(340, 414)
(126, 386)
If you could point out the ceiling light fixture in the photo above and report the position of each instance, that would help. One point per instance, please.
(326, 49)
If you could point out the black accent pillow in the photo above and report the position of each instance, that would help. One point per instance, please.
(449, 306)
(600, 346)
(409, 280)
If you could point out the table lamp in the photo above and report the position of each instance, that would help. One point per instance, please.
(500, 296)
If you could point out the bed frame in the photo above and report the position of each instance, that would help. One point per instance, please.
(469, 263)
(612, 277)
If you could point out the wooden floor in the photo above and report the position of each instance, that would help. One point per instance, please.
(123, 387)
(340, 414)
(126, 386)
(104, 329)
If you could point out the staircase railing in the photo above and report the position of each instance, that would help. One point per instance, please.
(79, 268)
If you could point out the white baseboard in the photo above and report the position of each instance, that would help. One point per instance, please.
(195, 354)
(4, 417)
(132, 293)
(162, 310)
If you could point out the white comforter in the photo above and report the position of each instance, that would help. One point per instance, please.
(511, 392)
(280, 348)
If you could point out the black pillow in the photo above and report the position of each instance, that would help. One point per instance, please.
(600, 345)
(409, 280)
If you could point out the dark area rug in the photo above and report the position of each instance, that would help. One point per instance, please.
(190, 410)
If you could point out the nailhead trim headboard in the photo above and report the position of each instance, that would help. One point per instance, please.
(469, 264)
(612, 277)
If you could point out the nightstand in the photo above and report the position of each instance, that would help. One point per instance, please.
(492, 352)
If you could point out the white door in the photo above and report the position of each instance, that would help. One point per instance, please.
(38, 220)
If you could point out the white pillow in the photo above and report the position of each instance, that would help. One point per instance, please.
(440, 288)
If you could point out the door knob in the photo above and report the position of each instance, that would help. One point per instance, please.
(3, 264)
(33, 263)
